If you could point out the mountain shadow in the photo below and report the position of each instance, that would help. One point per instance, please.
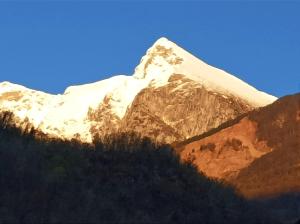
(121, 179)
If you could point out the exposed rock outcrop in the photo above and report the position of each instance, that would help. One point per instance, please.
(181, 109)
(259, 153)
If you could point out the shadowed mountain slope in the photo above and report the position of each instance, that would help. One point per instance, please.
(125, 179)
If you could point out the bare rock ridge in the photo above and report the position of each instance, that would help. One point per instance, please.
(182, 109)
(277, 172)
(259, 153)
(171, 96)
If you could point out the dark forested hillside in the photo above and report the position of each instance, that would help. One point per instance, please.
(123, 179)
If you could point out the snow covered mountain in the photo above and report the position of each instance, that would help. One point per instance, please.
(172, 95)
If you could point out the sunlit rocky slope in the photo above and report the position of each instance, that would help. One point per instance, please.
(258, 152)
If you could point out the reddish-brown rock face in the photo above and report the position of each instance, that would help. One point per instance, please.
(277, 172)
(259, 153)
(225, 153)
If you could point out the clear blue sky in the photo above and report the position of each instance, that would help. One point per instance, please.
(51, 45)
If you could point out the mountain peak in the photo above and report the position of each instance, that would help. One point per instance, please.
(165, 59)
(60, 115)
(163, 41)
(160, 61)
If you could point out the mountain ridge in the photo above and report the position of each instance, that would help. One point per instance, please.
(66, 115)
(257, 152)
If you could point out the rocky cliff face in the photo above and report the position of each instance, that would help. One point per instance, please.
(180, 109)
(259, 153)
(277, 172)
(102, 121)
(223, 154)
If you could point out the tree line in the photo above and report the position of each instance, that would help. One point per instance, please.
(119, 179)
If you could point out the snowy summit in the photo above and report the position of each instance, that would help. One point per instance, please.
(66, 115)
